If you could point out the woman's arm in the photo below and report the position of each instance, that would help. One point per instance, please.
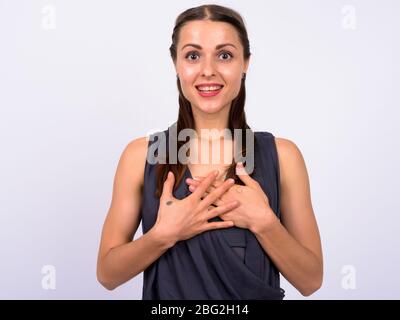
(120, 258)
(294, 245)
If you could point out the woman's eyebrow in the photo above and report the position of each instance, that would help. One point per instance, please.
(216, 48)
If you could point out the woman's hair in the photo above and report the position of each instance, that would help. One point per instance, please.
(237, 117)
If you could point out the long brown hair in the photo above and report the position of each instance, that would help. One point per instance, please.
(237, 117)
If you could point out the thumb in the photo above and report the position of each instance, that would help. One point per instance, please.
(168, 186)
(244, 176)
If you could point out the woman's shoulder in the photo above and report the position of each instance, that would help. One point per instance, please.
(133, 159)
(286, 147)
(292, 165)
(136, 148)
(287, 153)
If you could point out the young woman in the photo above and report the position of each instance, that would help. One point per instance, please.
(208, 235)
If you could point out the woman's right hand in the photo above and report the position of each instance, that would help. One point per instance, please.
(183, 219)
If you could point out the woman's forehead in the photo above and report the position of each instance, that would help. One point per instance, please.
(208, 34)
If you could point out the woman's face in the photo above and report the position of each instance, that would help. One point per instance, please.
(210, 52)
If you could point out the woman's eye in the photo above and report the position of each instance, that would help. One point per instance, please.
(225, 55)
(191, 54)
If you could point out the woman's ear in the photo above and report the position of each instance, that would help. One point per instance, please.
(246, 65)
(176, 71)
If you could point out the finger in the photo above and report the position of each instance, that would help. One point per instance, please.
(168, 186)
(195, 182)
(216, 183)
(218, 202)
(244, 176)
(218, 192)
(222, 209)
(217, 225)
(192, 188)
(204, 185)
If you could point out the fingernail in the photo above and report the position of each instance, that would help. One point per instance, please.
(230, 180)
(196, 178)
(240, 164)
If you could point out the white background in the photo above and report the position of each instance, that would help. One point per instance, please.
(80, 79)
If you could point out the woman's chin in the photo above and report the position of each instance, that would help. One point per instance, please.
(210, 107)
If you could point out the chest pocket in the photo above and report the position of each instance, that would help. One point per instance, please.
(236, 238)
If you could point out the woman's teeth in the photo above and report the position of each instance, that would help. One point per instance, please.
(212, 88)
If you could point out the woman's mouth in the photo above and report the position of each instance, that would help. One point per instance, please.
(209, 91)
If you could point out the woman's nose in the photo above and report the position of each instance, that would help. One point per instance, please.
(208, 67)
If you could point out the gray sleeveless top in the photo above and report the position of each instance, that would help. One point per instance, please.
(216, 264)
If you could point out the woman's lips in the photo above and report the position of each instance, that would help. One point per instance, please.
(206, 94)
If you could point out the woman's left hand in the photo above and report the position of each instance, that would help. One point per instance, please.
(254, 210)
